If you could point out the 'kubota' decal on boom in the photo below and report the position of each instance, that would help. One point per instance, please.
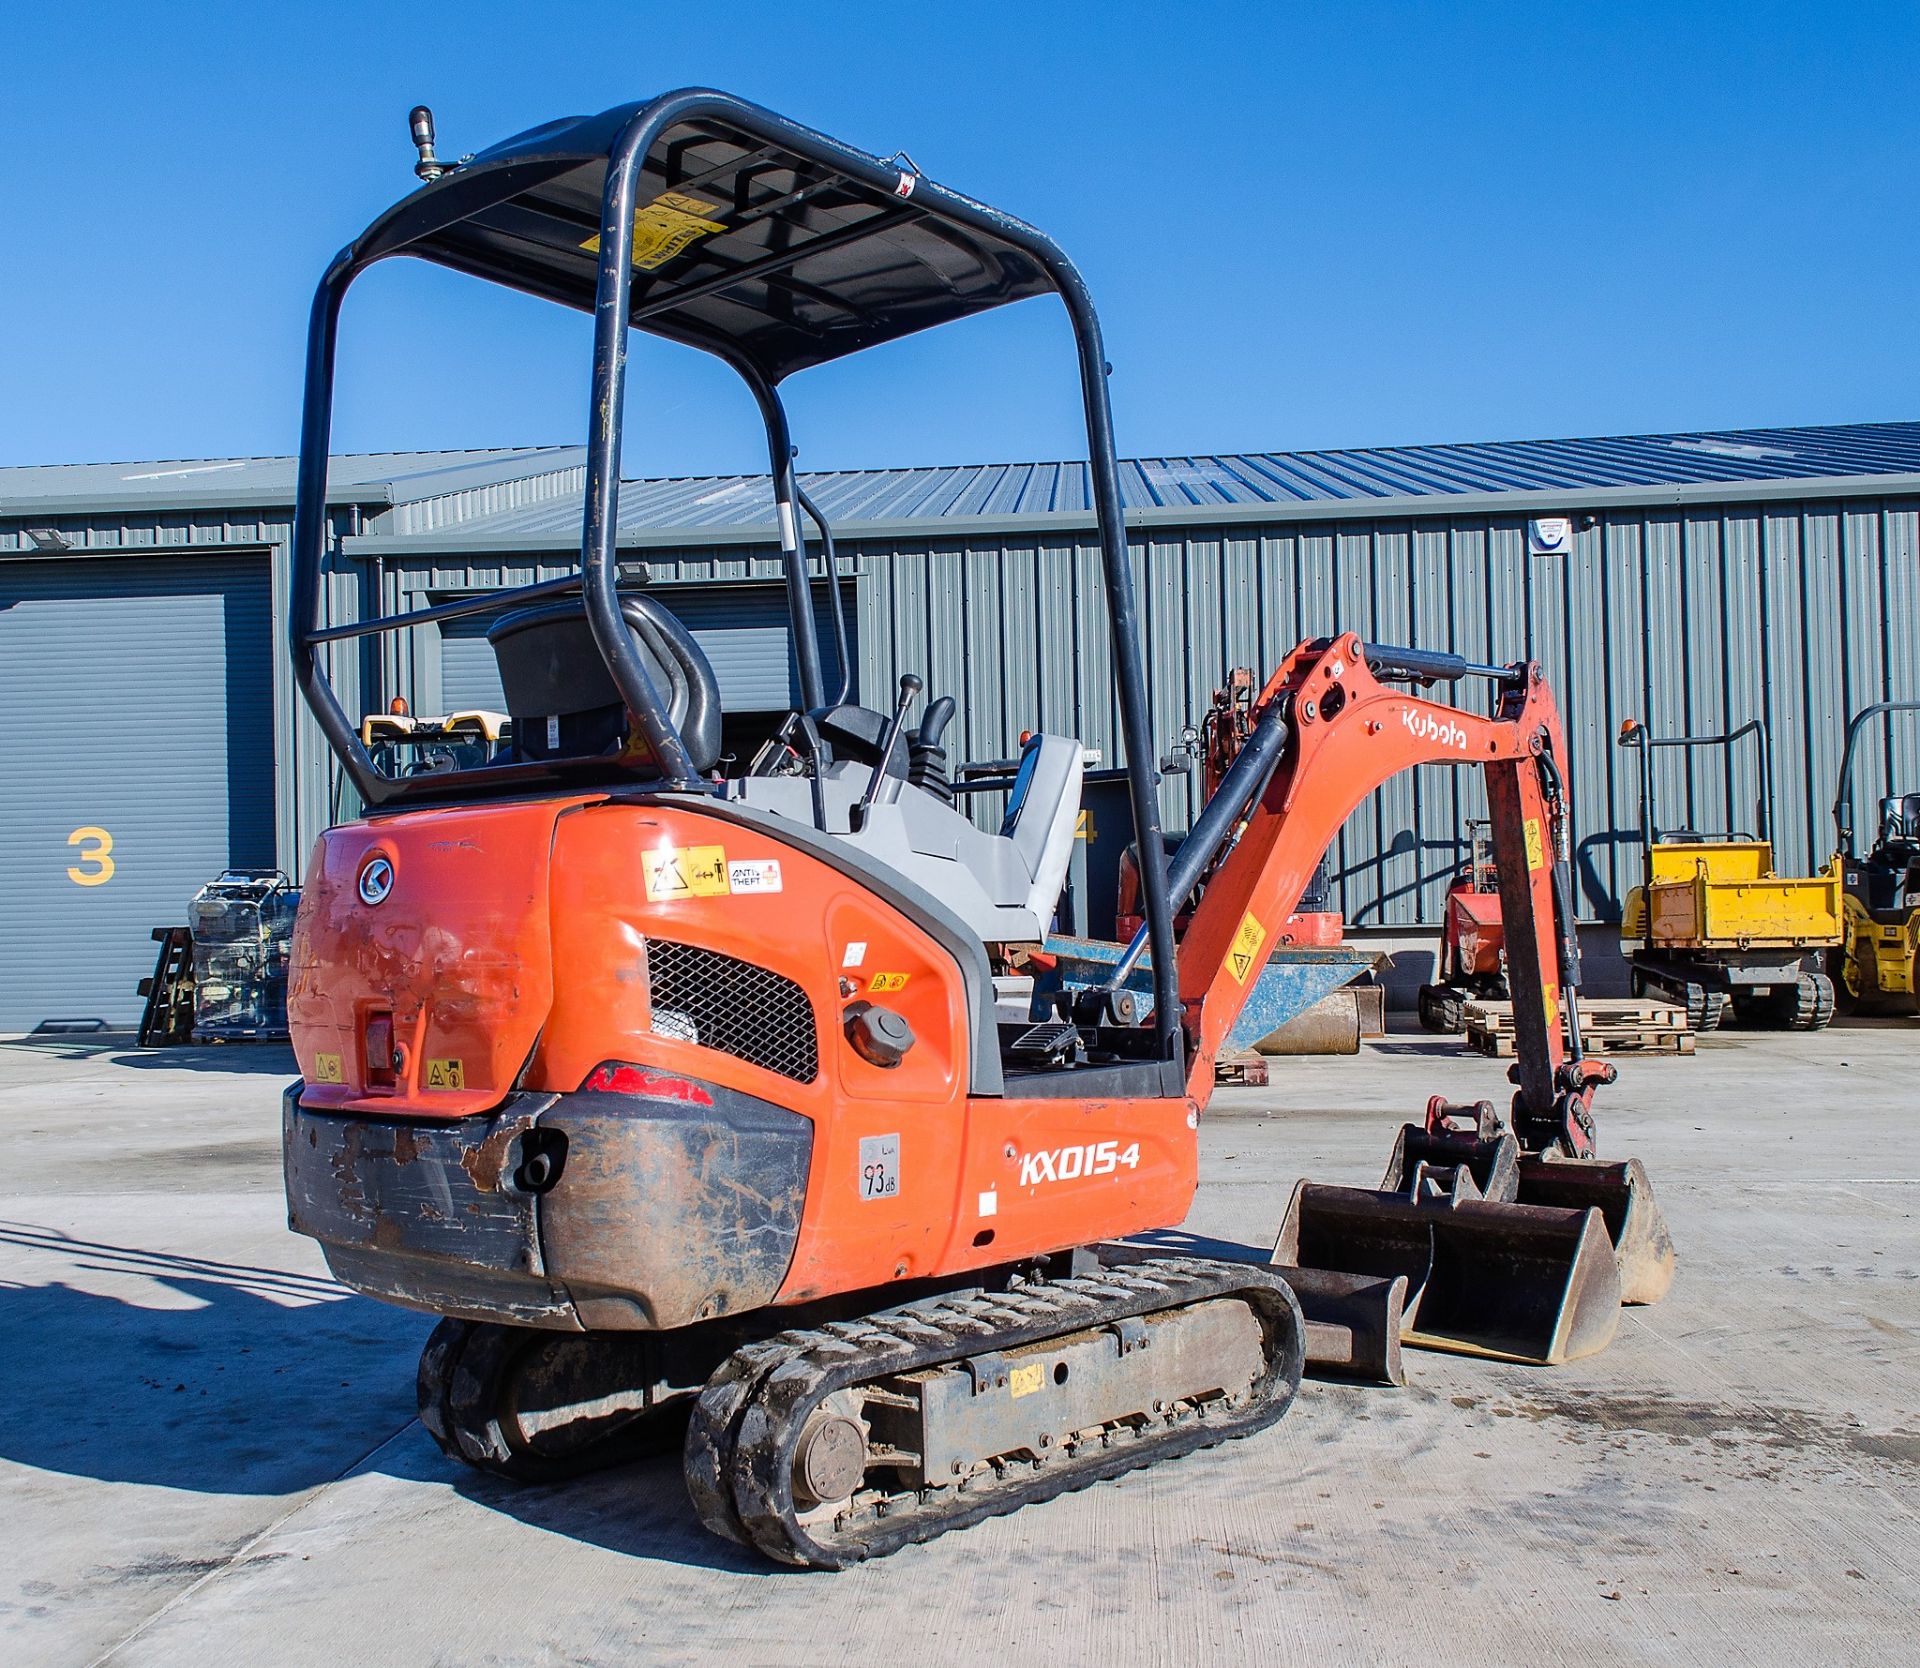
(1099, 1158)
(1428, 728)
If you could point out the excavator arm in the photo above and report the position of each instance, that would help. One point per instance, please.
(1506, 1239)
(1349, 730)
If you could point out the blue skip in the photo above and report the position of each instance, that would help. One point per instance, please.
(1295, 977)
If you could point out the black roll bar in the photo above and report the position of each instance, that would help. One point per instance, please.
(1843, 792)
(1634, 734)
(842, 657)
(613, 318)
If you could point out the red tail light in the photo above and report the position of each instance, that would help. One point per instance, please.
(616, 1077)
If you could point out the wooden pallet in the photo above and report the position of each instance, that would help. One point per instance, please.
(1607, 1026)
(1249, 1070)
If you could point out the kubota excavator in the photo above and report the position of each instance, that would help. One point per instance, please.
(684, 1098)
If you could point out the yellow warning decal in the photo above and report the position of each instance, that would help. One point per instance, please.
(665, 228)
(326, 1069)
(890, 981)
(1023, 1381)
(677, 872)
(1536, 847)
(446, 1074)
(1244, 956)
(1553, 1007)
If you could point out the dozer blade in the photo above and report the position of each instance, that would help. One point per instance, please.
(1624, 1198)
(1515, 1282)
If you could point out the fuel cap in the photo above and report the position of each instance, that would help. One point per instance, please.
(878, 1034)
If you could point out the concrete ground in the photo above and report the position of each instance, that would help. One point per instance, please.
(208, 1453)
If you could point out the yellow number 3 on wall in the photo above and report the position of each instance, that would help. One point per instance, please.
(95, 867)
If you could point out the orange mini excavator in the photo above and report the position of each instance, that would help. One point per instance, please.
(685, 1096)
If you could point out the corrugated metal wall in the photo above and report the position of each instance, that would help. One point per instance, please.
(1689, 619)
(302, 761)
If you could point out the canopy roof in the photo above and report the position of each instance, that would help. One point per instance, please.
(753, 238)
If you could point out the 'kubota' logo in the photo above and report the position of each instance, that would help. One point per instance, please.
(1425, 727)
(376, 880)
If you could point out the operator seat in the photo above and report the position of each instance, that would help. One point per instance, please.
(562, 698)
(1043, 816)
(1004, 887)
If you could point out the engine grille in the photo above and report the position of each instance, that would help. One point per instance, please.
(719, 1002)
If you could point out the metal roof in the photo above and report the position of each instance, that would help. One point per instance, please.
(1507, 475)
(379, 478)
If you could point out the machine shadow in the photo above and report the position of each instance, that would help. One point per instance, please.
(231, 1379)
(1178, 1240)
(266, 1059)
(639, 1510)
(217, 1378)
(273, 1059)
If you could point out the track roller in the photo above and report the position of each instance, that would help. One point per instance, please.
(537, 1406)
(934, 1415)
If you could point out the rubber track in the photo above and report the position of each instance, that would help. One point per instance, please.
(466, 1371)
(741, 1441)
(1812, 1003)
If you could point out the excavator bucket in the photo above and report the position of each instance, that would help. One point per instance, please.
(1534, 1283)
(1353, 1321)
(1624, 1198)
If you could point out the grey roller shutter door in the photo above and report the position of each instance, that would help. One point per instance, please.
(136, 702)
(744, 634)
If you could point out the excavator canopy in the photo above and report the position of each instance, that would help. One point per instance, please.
(748, 247)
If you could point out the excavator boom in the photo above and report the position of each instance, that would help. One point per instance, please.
(1515, 1242)
(1350, 728)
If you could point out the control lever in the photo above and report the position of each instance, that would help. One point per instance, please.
(926, 756)
(910, 686)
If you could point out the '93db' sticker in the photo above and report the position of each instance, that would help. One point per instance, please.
(879, 1166)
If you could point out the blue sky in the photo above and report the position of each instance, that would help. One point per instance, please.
(1305, 225)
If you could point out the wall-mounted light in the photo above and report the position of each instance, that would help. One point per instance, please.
(49, 539)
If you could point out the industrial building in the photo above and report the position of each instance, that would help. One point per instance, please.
(151, 736)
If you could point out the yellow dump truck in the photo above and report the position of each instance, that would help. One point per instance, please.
(403, 745)
(1713, 927)
(1876, 969)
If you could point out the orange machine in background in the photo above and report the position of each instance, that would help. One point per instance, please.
(1472, 957)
